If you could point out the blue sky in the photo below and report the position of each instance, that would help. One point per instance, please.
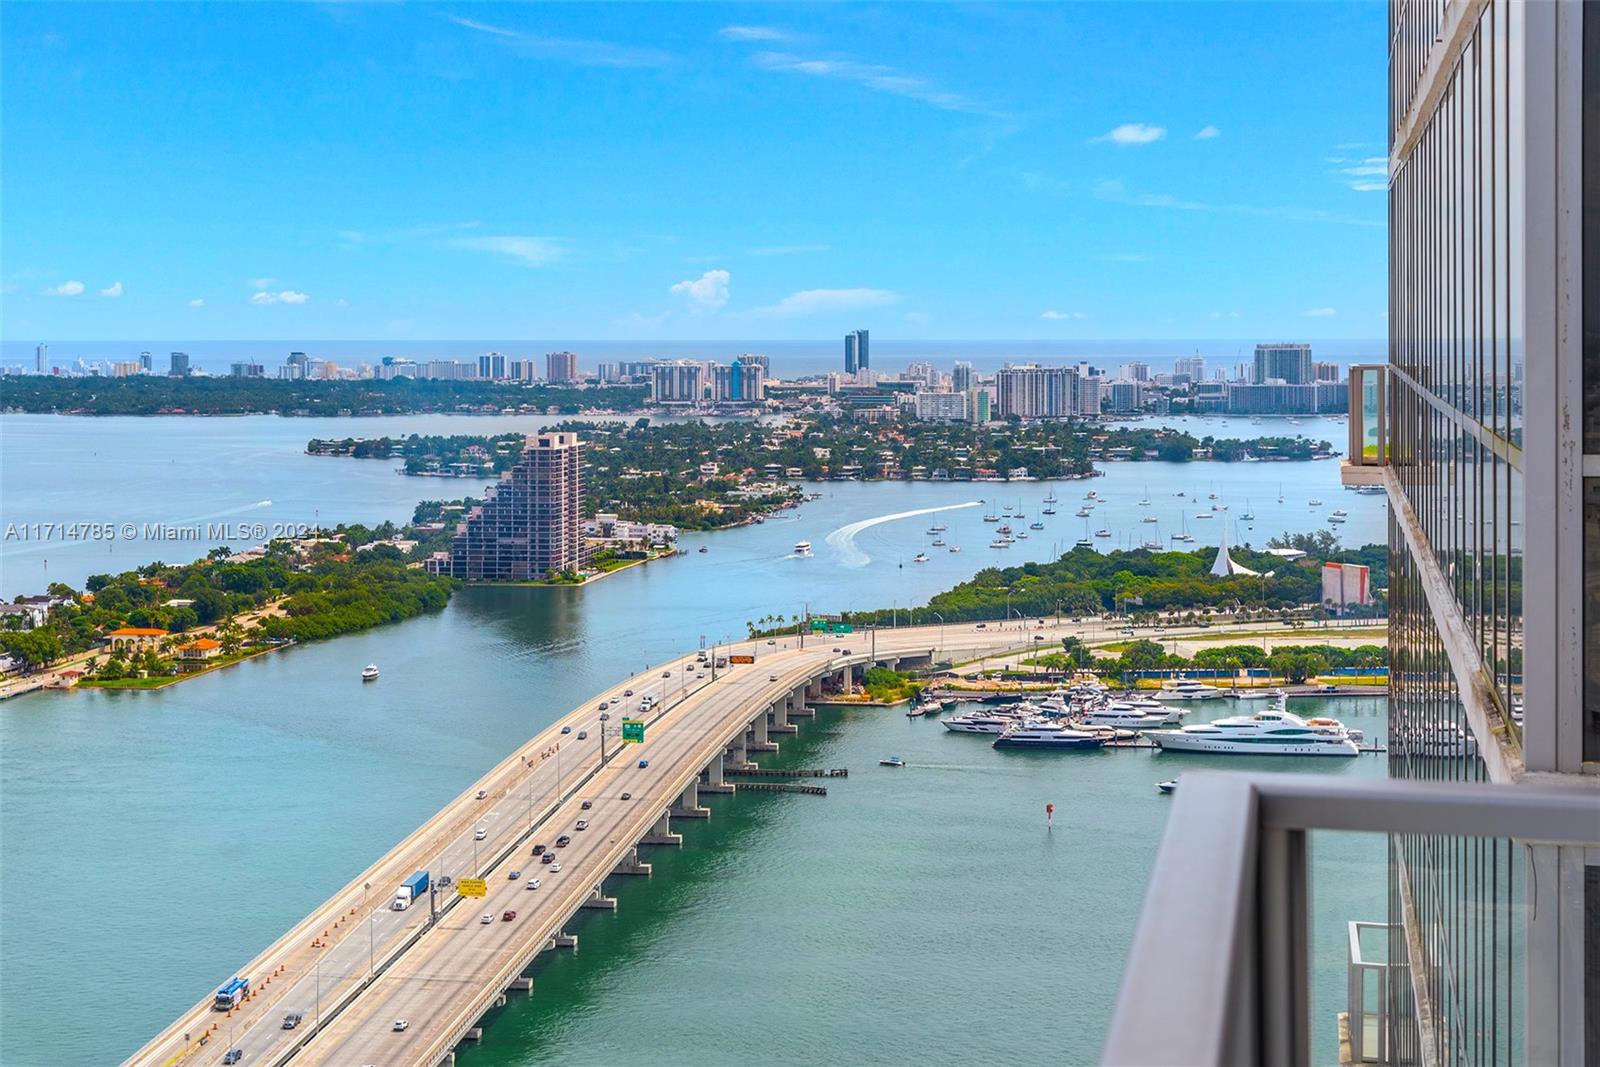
(1110, 170)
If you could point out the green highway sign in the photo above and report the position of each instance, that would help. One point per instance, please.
(632, 731)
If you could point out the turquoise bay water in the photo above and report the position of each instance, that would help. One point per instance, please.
(235, 802)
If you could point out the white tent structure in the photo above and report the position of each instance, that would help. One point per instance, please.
(1225, 566)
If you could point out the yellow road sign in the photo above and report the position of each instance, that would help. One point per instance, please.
(472, 887)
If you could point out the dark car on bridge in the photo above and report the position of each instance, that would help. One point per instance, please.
(292, 1020)
(563, 841)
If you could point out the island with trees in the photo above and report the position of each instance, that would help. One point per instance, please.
(146, 394)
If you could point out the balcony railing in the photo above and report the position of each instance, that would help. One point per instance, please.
(1231, 985)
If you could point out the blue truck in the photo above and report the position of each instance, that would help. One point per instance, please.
(410, 890)
(230, 995)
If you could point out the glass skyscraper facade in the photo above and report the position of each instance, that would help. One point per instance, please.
(1494, 515)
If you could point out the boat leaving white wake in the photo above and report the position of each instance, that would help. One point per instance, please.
(843, 540)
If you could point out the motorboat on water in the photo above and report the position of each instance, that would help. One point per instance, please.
(1084, 542)
(955, 548)
(1082, 513)
(991, 518)
(1046, 733)
(1273, 732)
(1049, 511)
(938, 542)
(1000, 542)
(1035, 525)
(369, 673)
(891, 761)
(920, 557)
(926, 707)
(1102, 533)
(1314, 502)
(802, 548)
(1169, 786)
(1187, 689)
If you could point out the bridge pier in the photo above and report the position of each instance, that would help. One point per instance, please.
(758, 730)
(688, 805)
(562, 940)
(846, 680)
(737, 757)
(797, 702)
(661, 833)
(712, 780)
(520, 985)
(813, 688)
(632, 865)
(598, 901)
(780, 723)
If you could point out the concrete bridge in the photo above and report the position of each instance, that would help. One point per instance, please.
(354, 965)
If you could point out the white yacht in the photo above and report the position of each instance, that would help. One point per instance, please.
(1274, 732)
(981, 721)
(955, 548)
(802, 548)
(920, 557)
(1084, 542)
(1120, 716)
(1188, 689)
(1102, 533)
(1044, 733)
(369, 673)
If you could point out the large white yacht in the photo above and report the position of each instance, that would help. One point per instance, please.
(1274, 732)
(1045, 733)
(802, 548)
(1187, 689)
(982, 721)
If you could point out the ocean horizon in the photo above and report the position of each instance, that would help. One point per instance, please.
(788, 358)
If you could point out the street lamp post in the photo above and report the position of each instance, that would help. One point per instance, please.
(936, 615)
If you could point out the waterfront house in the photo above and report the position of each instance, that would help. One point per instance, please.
(134, 638)
(194, 654)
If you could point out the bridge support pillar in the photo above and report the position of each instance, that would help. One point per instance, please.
(563, 940)
(631, 864)
(500, 1001)
(847, 680)
(688, 805)
(598, 901)
(780, 723)
(814, 689)
(474, 1034)
(797, 703)
(737, 757)
(661, 833)
(758, 730)
(712, 780)
(520, 985)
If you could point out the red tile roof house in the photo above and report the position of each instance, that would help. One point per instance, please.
(134, 638)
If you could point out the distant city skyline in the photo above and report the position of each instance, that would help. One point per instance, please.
(675, 172)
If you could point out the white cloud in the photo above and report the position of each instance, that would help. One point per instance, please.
(812, 301)
(262, 283)
(1321, 313)
(877, 77)
(755, 33)
(1220, 315)
(1207, 132)
(114, 289)
(197, 303)
(1366, 175)
(790, 250)
(1133, 133)
(73, 288)
(532, 251)
(1116, 192)
(705, 293)
(1055, 315)
(287, 296)
(583, 53)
